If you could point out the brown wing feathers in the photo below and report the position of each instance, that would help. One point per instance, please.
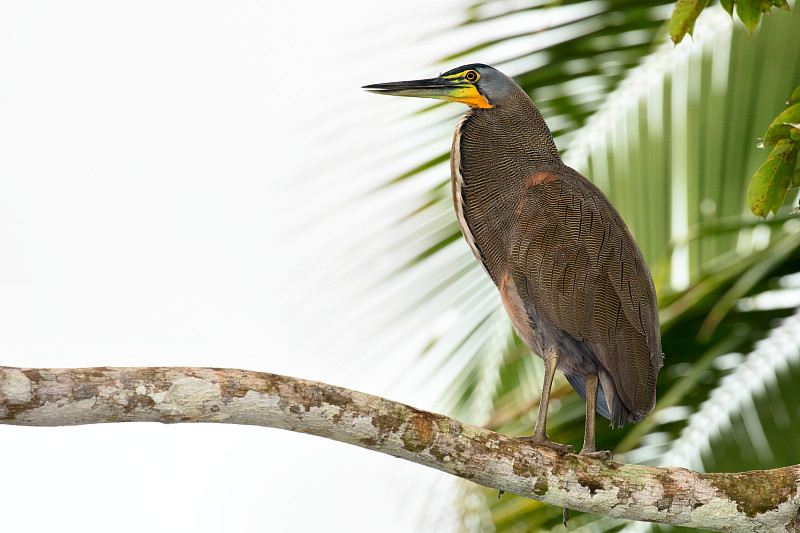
(574, 248)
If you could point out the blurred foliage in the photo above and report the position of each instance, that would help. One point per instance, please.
(669, 133)
(748, 11)
(780, 172)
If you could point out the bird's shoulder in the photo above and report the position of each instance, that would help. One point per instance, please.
(559, 199)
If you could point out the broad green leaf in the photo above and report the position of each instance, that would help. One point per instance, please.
(684, 17)
(727, 5)
(760, 186)
(796, 178)
(749, 12)
(781, 127)
(795, 95)
(781, 149)
(771, 181)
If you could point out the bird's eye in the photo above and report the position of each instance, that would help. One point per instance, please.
(471, 76)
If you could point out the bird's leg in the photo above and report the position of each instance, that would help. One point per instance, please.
(540, 431)
(588, 450)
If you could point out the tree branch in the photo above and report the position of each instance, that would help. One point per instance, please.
(767, 500)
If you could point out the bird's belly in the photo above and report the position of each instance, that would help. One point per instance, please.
(522, 322)
(538, 335)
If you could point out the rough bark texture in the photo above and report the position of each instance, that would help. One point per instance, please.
(750, 501)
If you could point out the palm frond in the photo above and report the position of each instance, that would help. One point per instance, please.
(754, 374)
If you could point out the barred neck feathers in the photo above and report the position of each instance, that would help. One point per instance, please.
(494, 151)
(516, 126)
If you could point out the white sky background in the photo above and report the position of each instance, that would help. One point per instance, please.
(167, 176)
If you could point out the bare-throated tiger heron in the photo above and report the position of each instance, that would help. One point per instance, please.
(570, 275)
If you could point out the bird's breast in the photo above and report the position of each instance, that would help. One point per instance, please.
(486, 190)
(457, 187)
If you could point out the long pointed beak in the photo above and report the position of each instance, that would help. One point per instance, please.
(431, 88)
(455, 90)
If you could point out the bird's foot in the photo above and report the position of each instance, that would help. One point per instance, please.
(563, 449)
(602, 454)
(565, 517)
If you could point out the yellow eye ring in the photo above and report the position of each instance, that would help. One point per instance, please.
(471, 76)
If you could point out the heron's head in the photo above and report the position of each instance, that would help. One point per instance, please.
(476, 85)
